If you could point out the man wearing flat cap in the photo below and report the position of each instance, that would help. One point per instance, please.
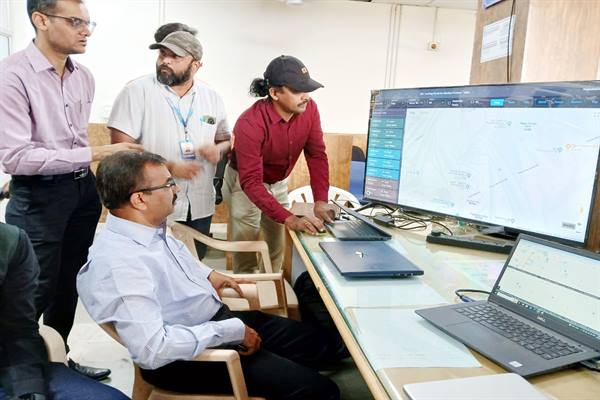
(182, 120)
(269, 137)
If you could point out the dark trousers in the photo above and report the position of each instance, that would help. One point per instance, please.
(66, 384)
(202, 225)
(284, 368)
(60, 215)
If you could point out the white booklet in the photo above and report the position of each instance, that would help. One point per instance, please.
(487, 387)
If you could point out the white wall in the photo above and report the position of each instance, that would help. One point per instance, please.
(344, 44)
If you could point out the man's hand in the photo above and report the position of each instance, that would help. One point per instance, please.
(184, 170)
(220, 281)
(100, 152)
(251, 342)
(305, 224)
(324, 211)
(5, 191)
(210, 152)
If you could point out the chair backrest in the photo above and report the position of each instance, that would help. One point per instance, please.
(55, 345)
(304, 195)
(187, 235)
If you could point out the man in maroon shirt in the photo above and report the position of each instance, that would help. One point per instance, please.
(268, 139)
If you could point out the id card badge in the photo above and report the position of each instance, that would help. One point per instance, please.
(187, 150)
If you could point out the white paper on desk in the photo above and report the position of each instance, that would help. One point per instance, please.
(377, 292)
(396, 338)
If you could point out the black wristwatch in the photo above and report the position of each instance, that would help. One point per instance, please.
(33, 396)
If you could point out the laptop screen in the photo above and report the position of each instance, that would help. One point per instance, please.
(554, 284)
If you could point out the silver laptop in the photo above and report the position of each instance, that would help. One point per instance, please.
(542, 314)
(358, 228)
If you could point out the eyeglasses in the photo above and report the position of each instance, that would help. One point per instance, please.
(76, 23)
(170, 183)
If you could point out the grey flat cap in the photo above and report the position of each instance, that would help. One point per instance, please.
(181, 43)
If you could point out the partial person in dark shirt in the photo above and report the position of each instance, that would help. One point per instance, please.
(268, 139)
(25, 372)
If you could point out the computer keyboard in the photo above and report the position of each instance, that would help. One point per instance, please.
(352, 228)
(527, 336)
(470, 243)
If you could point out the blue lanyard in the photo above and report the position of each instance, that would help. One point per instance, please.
(177, 112)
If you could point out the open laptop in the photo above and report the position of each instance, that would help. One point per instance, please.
(359, 228)
(368, 260)
(542, 314)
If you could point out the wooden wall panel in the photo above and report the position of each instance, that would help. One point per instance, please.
(495, 71)
(339, 154)
(562, 41)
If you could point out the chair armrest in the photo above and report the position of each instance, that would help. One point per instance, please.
(55, 346)
(234, 367)
(250, 291)
(277, 279)
(257, 246)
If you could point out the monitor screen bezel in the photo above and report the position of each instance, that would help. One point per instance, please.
(403, 207)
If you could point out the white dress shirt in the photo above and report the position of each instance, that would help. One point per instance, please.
(155, 293)
(142, 111)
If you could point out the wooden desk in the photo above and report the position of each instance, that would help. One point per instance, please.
(445, 270)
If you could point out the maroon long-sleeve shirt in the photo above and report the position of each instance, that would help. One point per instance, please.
(266, 148)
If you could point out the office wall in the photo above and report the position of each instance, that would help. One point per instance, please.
(344, 44)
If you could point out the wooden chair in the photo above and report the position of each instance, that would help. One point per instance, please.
(275, 293)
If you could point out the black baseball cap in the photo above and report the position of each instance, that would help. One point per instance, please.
(289, 71)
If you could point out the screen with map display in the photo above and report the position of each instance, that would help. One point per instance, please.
(520, 156)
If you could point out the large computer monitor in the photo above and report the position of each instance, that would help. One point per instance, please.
(520, 156)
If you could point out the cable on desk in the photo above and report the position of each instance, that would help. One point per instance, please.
(467, 299)
(591, 365)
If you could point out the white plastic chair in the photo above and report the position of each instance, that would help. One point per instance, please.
(303, 194)
(275, 293)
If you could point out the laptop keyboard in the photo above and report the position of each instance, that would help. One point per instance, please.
(527, 336)
(354, 228)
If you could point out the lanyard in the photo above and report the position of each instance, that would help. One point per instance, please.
(177, 112)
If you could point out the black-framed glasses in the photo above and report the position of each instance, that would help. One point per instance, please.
(170, 183)
(76, 23)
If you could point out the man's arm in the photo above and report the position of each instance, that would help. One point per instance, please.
(250, 170)
(22, 352)
(318, 166)
(20, 155)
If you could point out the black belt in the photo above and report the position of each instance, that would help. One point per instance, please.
(78, 174)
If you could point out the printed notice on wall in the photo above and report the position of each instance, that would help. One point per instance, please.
(495, 39)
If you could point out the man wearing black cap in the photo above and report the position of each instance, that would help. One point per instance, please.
(269, 138)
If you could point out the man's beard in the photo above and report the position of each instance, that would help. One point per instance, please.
(170, 78)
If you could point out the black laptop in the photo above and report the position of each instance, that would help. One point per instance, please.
(368, 259)
(543, 313)
(357, 227)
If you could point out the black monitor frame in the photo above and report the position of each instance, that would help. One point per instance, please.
(510, 231)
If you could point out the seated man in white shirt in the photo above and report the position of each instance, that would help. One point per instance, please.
(165, 304)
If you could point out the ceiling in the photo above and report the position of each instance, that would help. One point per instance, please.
(464, 4)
